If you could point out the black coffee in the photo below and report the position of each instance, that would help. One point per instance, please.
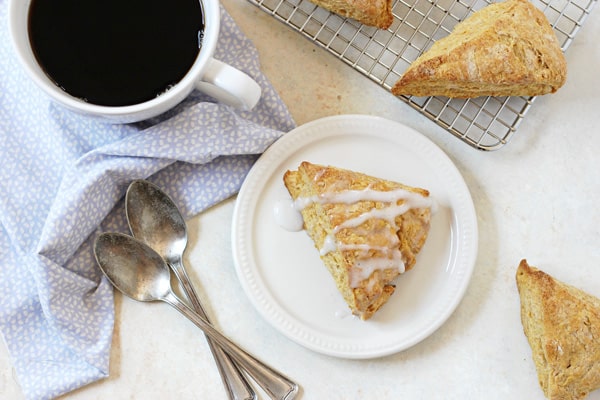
(115, 52)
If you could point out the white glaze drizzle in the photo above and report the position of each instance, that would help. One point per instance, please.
(391, 256)
(287, 216)
(368, 194)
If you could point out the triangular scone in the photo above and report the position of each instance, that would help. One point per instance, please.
(504, 49)
(376, 13)
(562, 325)
(367, 230)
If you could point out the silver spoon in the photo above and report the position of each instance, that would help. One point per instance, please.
(155, 219)
(141, 273)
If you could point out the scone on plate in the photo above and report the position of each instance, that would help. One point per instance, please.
(504, 49)
(367, 230)
(562, 325)
(377, 13)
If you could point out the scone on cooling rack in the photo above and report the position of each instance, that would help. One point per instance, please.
(504, 49)
(377, 13)
(562, 325)
(367, 230)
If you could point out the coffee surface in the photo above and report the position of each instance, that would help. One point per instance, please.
(115, 52)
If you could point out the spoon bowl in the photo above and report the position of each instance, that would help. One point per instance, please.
(155, 219)
(133, 269)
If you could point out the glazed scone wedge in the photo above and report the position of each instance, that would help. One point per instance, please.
(504, 49)
(562, 325)
(377, 13)
(367, 230)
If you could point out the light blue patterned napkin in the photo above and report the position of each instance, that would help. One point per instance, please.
(62, 180)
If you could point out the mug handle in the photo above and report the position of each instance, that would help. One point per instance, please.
(229, 85)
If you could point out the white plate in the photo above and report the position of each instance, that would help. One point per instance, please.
(281, 271)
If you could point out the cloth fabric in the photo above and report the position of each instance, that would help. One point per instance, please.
(62, 180)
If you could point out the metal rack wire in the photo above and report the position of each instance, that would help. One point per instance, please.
(486, 123)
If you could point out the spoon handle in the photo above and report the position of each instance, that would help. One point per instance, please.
(237, 386)
(273, 383)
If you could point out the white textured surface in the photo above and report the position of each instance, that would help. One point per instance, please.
(536, 198)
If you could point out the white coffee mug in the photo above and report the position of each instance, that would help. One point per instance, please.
(213, 77)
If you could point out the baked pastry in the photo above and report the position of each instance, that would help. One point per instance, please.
(504, 49)
(562, 325)
(376, 13)
(367, 230)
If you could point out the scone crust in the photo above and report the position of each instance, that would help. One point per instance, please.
(562, 325)
(376, 13)
(365, 299)
(504, 49)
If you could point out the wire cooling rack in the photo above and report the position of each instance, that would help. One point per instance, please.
(486, 123)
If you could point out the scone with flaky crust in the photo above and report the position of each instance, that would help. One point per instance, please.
(562, 325)
(504, 49)
(367, 230)
(377, 13)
